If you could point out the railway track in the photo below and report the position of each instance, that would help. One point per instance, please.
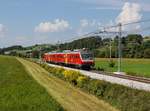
(129, 77)
(135, 82)
(123, 76)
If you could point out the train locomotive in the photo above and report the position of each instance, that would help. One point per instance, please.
(80, 58)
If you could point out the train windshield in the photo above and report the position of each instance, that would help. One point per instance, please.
(87, 56)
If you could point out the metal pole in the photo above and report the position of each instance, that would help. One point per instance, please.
(40, 54)
(58, 46)
(119, 47)
(110, 49)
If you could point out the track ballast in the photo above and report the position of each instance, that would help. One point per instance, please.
(135, 82)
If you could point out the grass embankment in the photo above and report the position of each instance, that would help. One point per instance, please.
(138, 67)
(122, 97)
(71, 98)
(20, 92)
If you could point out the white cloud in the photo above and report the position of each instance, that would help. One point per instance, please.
(87, 26)
(131, 12)
(2, 30)
(55, 26)
(84, 23)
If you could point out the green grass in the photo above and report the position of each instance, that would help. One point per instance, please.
(139, 67)
(122, 97)
(70, 97)
(20, 92)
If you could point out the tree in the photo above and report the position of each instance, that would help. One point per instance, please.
(134, 38)
(147, 53)
(35, 54)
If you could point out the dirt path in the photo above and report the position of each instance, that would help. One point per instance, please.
(71, 98)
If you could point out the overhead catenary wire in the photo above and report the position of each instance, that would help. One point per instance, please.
(105, 30)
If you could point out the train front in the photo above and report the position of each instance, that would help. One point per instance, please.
(87, 59)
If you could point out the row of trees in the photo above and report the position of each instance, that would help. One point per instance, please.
(133, 46)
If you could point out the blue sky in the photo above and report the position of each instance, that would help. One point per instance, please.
(27, 22)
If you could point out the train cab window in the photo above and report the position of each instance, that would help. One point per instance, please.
(87, 56)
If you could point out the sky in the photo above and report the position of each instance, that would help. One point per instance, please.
(29, 22)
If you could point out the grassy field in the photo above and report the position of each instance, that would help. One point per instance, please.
(20, 92)
(71, 98)
(140, 67)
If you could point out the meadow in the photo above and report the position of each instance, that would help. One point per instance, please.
(70, 97)
(20, 92)
(138, 67)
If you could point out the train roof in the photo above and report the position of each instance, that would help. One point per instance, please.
(70, 51)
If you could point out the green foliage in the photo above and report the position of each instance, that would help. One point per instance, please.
(133, 46)
(82, 81)
(92, 42)
(20, 92)
(111, 63)
(35, 54)
(147, 53)
(124, 98)
(71, 76)
(97, 87)
(100, 69)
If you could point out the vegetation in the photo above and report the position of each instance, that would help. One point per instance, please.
(133, 46)
(20, 92)
(89, 42)
(71, 98)
(124, 98)
(137, 67)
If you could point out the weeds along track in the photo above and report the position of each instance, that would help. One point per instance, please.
(140, 83)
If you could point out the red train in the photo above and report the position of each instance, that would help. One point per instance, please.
(77, 58)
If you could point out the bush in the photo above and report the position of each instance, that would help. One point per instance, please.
(111, 63)
(71, 76)
(100, 69)
(59, 72)
(147, 53)
(97, 87)
(124, 98)
(82, 81)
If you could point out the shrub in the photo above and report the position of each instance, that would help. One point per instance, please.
(59, 72)
(100, 69)
(111, 63)
(124, 98)
(71, 76)
(147, 53)
(97, 87)
(92, 87)
(82, 81)
(52, 70)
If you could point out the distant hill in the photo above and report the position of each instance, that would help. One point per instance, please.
(133, 46)
(92, 42)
